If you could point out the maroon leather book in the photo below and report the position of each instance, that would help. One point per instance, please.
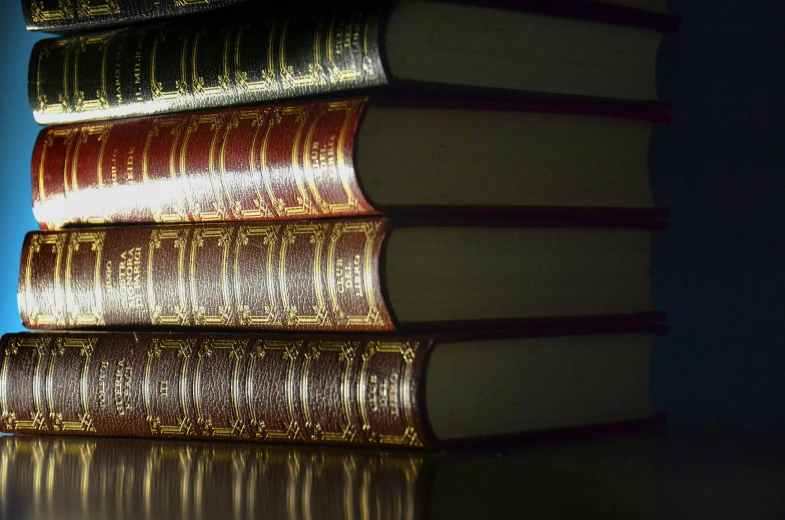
(331, 274)
(279, 162)
(366, 390)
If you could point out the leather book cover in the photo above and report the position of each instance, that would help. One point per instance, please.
(354, 390)
(175, 67)
(305, 389)
(301, 275)
(298, 275)
(289, 161)
(272, 162)
(70, 15)
(80, 15)
(246, 58)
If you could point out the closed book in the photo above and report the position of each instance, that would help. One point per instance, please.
(261, 57)
(407, 151)
(378, 390)
(71, 15)
(361, 274)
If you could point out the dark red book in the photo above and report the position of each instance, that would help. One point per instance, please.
(415, 391)
(343, 274)
(409, 151)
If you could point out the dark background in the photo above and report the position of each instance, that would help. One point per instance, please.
(718, 270)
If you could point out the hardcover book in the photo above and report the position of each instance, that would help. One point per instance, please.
(69, 15)
(369, 274)
(361, 390)
(413, 151)
(187, 65)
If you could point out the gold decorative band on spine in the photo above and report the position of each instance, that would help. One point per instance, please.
(408, 352)
(40, 14)
(84, 348)
(36, 420)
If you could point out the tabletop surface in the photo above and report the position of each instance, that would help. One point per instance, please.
(677, 474)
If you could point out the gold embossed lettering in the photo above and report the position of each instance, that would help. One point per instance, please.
(122, 387)
(357, 278)
(373, 385)
(102, 375)
(129, 278)
(343, 37)
(383, 393)
(129, 165)
(138, 73)
(349, 276)
(118, 71)
(118, 93)
(392, 395)
(113, 170)
(323, 155)
(108, 276)
(339, 270)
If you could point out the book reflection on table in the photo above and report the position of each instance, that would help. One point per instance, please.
(66, 478)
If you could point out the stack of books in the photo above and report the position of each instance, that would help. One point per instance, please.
(420, 224)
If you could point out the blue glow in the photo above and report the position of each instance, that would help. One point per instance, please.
(18, 131)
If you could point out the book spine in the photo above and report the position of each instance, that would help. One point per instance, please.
(69, 15)
(165, 68)
(300, 389)
(280, 162)
(297, 275)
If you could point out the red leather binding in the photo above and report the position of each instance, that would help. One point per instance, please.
(289, 161)
(280, 162)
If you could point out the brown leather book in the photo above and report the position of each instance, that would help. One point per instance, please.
(262, 56)
(415, 391)
(369, 274)
(138, 479)
(409, 150)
